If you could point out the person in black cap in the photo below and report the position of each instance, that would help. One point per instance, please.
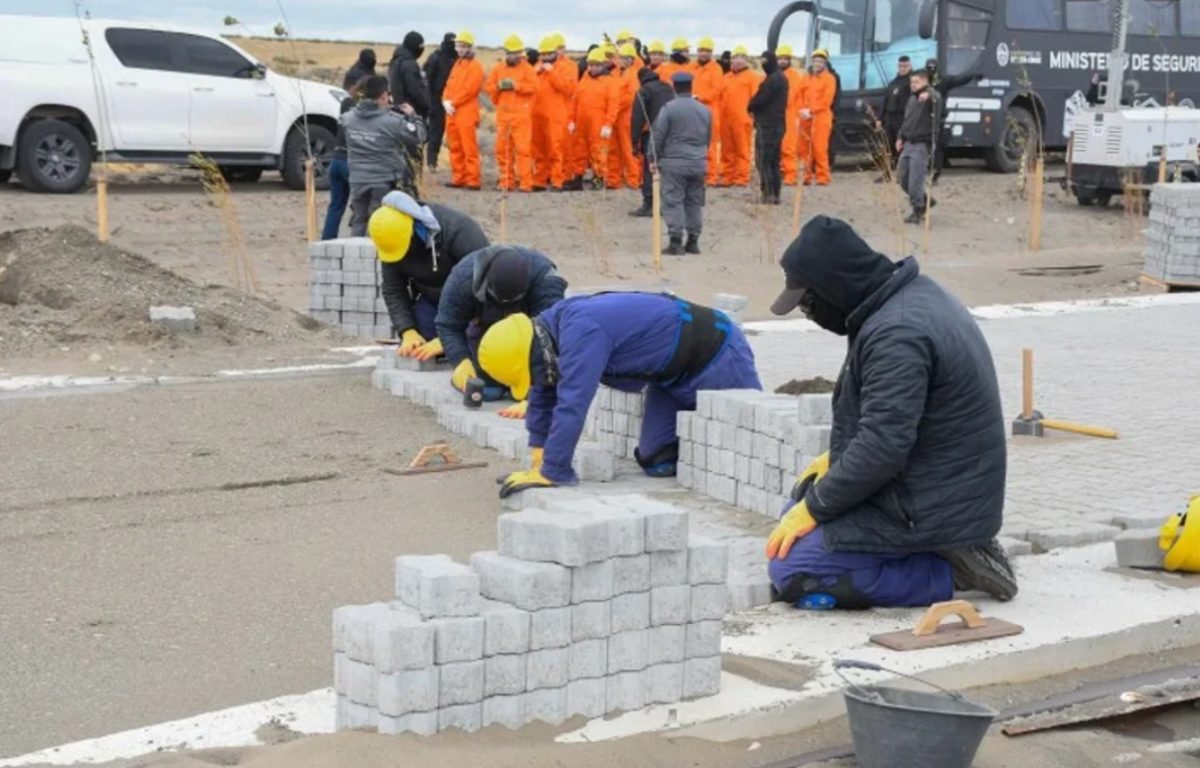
(651, 98)
(905, 507)
(681, 135)
(363, 68)
(769, 107)
(892, 114)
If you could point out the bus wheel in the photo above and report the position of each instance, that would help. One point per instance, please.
(1088, 199)
(1019, 128)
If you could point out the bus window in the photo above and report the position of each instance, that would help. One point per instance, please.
(966, 38)
(1153, 17)
(1038, 15)
(1089, 16)
(896, 34)
(841, 27)
(1189, 19)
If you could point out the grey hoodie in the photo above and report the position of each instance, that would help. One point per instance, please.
(379, 143)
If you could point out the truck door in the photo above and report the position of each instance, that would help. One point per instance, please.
(147, 93)
(233, 107)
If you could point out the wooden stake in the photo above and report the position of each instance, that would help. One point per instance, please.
(1036, 204)
(798, 200)
(1162, 167)
(1070, 158)
(656, 220)
(1027, 384)
(310, 198)
(102, 207)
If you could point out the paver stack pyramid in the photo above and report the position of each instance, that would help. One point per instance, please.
(1173, 237)
(343, 287)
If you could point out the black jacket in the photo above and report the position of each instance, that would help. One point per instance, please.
(918, 448)
(364, 67)
(464, 296)
(895, 101)
(424, 269)
(339, 150)
(437, 70)
(404, 75)
(650, 99)
(922, 119)
(769, 103)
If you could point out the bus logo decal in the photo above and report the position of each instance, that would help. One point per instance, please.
(1002, 54)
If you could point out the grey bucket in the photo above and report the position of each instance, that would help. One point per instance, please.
(897, 728)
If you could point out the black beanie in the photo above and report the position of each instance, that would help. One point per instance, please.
(508, 277)
(414, 43)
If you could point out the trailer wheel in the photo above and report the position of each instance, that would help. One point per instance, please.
(1019, 128)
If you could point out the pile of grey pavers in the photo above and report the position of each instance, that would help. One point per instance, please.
(615, 420)
(587, 607)
(1173, 235)
(343, 287)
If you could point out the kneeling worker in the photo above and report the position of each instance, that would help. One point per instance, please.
(417, 246)
(629, 341)
(483, 289)
(906, 506)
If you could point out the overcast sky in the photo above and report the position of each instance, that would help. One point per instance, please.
(729, 22)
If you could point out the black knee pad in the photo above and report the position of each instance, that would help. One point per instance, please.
(668, 454)
(842, 590)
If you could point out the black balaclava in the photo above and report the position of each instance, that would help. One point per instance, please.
(507, 280)
(366, 58)
(770, 64)
(414, 43)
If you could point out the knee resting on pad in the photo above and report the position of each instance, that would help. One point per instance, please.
(662, 463)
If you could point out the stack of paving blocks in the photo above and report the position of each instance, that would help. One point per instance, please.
(588, 607)
(343, 287)
(1173, 236)
(746, 447)
(615, 420)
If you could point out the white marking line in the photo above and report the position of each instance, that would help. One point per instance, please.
(366, 362)
(307, 713)
(27, 383)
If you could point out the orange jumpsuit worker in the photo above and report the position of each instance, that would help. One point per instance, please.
(741, 83)
(707, 86)
(512, 85)
(657, 53)
(597, 100)
(797, 83)
(569, 71)
(816, 120)
(461, 102)
(679, 61)
(625, 36)
(621, 162)
(556, 87)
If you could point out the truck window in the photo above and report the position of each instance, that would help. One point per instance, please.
(1189, 20)
(1038, 15)
(1089, 16)
(205, 56)
(140, 48)
(1154, 17)
(896, 34)
(966, 38)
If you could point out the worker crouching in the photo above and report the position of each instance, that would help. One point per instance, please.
(664, 345)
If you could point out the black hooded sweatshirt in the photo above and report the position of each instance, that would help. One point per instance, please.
(437, 69)
(364, 67)
(769, 103)
(404, 75)
(651, 98)
(918, 447)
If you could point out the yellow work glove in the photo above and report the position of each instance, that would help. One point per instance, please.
(811, 474)
(463, 373)
(520, 481)
(515, 411)
(410, 342)
(796, 524)
(1180, 540)
(429, 350)
(536, 456)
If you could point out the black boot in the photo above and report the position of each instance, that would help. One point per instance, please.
(693, 244)
(675, 247)
(573, 185)
(914, 218)
(643, 212)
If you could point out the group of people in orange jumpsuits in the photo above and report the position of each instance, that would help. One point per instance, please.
(556, 118)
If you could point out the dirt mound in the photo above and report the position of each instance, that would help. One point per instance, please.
(815, 386)
(60, 287)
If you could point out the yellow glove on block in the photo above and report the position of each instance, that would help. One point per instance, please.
(796, 524)
(463, 372)
(520, 481)
(515, 411)
(410, 341)
(429, 350)
(819, 466)
(536, 456)
(1180, 539)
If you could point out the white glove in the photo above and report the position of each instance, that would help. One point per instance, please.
(449, 107)
(605, 131)
(571, 127)
(806, 114)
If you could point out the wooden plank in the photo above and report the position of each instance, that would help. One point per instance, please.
(430, 469)
(954, 633)
(1169, 284)
(1118, 705)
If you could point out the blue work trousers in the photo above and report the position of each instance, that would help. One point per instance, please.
(339, 198)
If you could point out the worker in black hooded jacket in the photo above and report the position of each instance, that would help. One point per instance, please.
(769, 107)
(905, 507)
(437, 72)
(364, 67)
(404, 75)
(651, 97)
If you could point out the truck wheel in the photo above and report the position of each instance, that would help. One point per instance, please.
(240, 174)
(321, 142)
(5, 176)
(1007, 154)
(53, 156)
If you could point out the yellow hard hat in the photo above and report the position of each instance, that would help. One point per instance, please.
(547, 45)
(705, 44)
(559, 40)
(391, 231)
(624, 34)
(513, 44)
(784, 50)
(596, 56)
(679, 44)
(740, 51)
(465, 37)
(656, 46)
(504, 353)
(1180, 539)
(822, 53)
(608, 48)
(628, 51)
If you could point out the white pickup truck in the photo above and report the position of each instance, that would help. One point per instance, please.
(157, 94)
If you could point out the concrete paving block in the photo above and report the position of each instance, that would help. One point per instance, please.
(526, 585)
(670, 605)
(174, 319)
(628, 651)
(353, 628)
(506, 628)
(742, 468)
(511, 712)
(1139, 549)
(1138, 519)
(630, 611)
(746, 591)
(766, 449)
(405, 692)
(504, 675)
(666, 643)
(594, 463)
(811, 440)
(668, 568)
(589, 659)
(548, 668)
(437, 586)
(700, 456)
(553, 536)
(458, 639)
(815, 409)
(683, 474)
(626, 692)
(460, 683)
(713, 459)
(547, 705)
(418, 723)
(701, 677)
(707, 561)
(700, 429)
(356, 717)
(467, 718)
(703, 639)
(664, 683)
(704, 401)
(421, 366)
(359, 681)
(1072, 536)
(723, 489)
(341, 674)
(751, 497)
(758, 474)
(588, 698)
(683, 425)
(774, 481)
(550, 628)
(709, 602)
(591, 620)
(592, 582)
(631, 574)
(728, 465)
(666, 525)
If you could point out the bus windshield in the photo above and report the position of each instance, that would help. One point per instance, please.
(866, 39)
